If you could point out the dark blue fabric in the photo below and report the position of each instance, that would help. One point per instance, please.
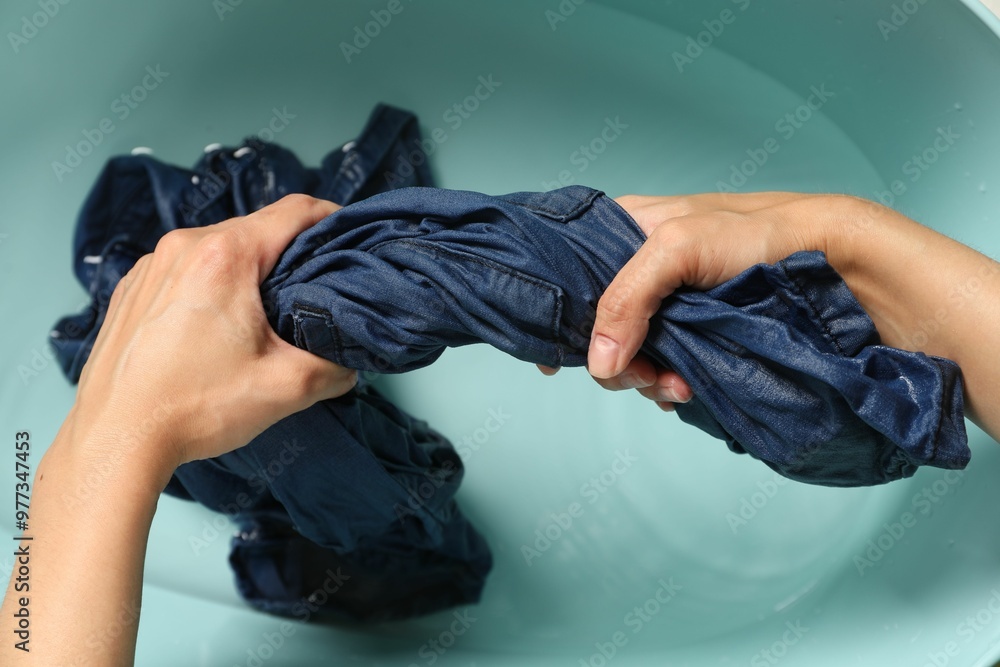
(784, 362)
(352, 486)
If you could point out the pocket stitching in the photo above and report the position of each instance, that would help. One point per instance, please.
(553, 290)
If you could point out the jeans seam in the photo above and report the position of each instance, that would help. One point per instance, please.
(558, 216)
(815, 311)
(300, 311)
(553, 326)
(940, 423)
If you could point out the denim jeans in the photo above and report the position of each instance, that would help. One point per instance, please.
(345, 509)
(784, 363)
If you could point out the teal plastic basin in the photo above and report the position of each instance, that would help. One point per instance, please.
(681, 553)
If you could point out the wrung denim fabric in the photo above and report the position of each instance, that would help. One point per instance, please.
(345, 509)
(784, 363)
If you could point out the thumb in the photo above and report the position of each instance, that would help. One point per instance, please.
(624, 309)
(312, 377)
(270, 230)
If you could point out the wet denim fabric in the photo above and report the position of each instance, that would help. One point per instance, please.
(137, 199)
(345, 509)
(784, 363)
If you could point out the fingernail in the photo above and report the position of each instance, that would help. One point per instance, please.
(603, 356)
(671, 393)
(666, 394)
(633, 381)
(682, 396)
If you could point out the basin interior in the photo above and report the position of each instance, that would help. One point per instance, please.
(684, 552)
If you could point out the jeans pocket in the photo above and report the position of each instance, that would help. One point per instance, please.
(485, 300)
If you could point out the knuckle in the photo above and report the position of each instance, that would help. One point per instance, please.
(117, 293)
(138, 267)
(216, 253)
(172, 242)
(680, 206)
(677, 235)
(615, 306)
(297, 202)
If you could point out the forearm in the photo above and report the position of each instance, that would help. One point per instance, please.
(924, 292)
(90, 514)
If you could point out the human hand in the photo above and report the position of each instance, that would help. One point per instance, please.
(186, 350)
(698, 241)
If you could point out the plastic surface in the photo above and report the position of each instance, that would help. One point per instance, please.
(726, 565)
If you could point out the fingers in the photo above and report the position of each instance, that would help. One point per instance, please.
(639, 372)
(669, 387)
(547, 370)
(270, 230)
(622, 321)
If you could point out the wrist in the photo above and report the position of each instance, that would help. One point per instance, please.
(133, 453)
(876, 251)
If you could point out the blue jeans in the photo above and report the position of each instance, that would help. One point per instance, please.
(784, 363)
(345, 509)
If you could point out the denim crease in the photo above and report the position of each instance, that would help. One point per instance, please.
(784, 363)
(339, 487)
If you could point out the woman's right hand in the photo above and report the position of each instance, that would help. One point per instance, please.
(698, 241)
(924, 291)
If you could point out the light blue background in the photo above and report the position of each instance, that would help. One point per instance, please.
(665, 516)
